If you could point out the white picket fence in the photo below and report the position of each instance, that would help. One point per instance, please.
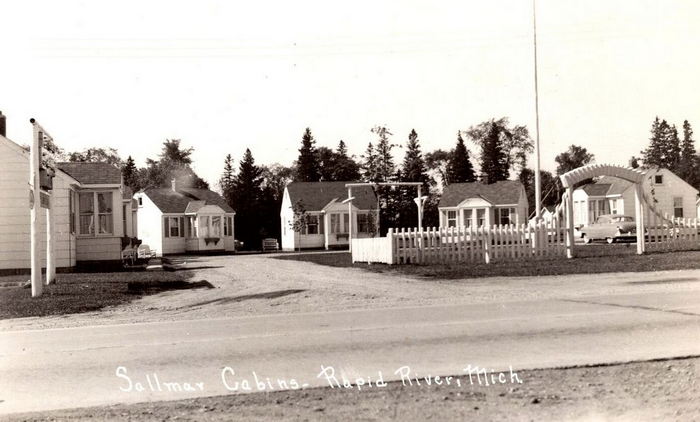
(672, 234)
(463, 244)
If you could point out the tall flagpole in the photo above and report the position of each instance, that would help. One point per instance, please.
(538, 182)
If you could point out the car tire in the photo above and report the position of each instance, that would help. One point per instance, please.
(610, 240)
(586, 239)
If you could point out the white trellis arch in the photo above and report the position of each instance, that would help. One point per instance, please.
(569, 179)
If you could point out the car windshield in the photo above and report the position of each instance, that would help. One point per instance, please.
(623, 220)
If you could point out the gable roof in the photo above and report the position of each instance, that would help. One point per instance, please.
(617, 185)
(595, 189)
(499, 193)
(92, 173)
(316, 195)
(170, 201)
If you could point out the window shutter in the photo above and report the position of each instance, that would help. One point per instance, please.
(182, 226)
(321, 224)
(167, 226)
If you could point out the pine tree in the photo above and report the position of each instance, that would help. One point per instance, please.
(386, 170)
(460, 169)
(414, 169)
(689, 166)
(369, 165)
(494, 163)
(246, 197)
(226, 182)
(345, 169)
(308, 167)
(664, 146)
(130, 174)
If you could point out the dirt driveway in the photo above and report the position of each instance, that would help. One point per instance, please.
(260, 284)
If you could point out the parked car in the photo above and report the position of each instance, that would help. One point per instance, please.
(611, 228)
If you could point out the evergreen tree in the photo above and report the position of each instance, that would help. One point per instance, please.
(369, 165)
(460, 168)
(689, 166)
(246, 198)
(345, 169)
(386, 170)
(308, 167)
(414, 169)
(130, 174)
(226, 182)
(664, 148)
(494, 163)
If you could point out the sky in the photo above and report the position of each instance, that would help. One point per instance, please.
(224, 76)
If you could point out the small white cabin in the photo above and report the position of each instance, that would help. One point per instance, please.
(185, 220)
(93, 219)
(611, 195)
(478, 204)
(327, 217)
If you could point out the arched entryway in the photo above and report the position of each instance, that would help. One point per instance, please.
(570, 179)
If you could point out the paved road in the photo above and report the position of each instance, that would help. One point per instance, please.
(70, 367)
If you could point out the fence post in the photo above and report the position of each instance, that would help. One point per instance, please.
(487, 244)
(569, 222)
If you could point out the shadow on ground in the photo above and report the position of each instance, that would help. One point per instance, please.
(233, 299)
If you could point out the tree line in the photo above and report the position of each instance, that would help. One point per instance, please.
(487, 152)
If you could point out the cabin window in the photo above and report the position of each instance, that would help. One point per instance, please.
(216, 226)
(140, 201)
(312, 224)
(658, 179)
(467, 217)
(505, 216)
(362, 223)
(204, 226)
(228, 226)
(71, 210)
(174, 227)
(191, 226)
(87, 212)
(613, 206)
(480, 217)
(124, 220)
(452, 218)
(335, 223)
(105, 212)
(678, 207)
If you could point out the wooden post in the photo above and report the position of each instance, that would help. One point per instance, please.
(34, 204)
(639, 218)
(350, 218)
(50, 244)
(570, 222)
(420, 209)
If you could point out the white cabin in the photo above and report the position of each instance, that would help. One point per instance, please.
(327, 217)
(478, 204)
(93, 220)
(611, 195)
(185, 220)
